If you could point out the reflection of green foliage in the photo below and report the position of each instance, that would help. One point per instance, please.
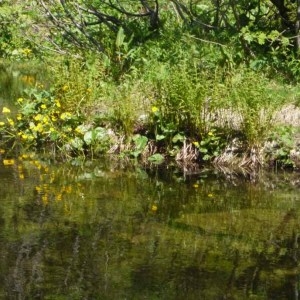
(140, 234)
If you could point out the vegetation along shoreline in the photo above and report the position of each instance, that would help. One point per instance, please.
(161, 81)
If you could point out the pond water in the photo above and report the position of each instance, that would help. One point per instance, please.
(104, 229)
(15, 78)
(101, 230)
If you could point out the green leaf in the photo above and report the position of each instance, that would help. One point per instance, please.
(120, 37)
(77, 143)
(88, 137)
(206, 157)
(160, 137)
(178, 138)
(98, 134)
(156, 158)
(261, 38)
(140, 142)
(248, 37)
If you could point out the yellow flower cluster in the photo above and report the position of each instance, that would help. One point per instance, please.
(42, 119)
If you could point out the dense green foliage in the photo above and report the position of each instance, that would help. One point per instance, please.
(171, 76)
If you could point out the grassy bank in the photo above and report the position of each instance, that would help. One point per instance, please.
(159, 112)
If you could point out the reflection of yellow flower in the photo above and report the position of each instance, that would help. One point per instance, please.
(5, 110)
(58, 197)
(45, 199)
(154, 109)
(68, 189)
(154, 207)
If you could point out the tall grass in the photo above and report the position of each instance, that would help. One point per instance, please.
(192, 100)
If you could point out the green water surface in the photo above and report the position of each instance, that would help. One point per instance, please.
(101, 230)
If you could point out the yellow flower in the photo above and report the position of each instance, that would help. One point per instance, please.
(57, 103)
(154, 207)
(24, 136)
(19, 117)
(5, 110)
(2, 151)
(20, 100)
(2, 123)
(210, 133)
(51, 129)
(65, 88)
(8, 162)
(45, 120)
(38, 117)
(21, 176)
(65, 115)
(10, 122)
(39, 127)
(26, 51)
(196, 144)
(154, 109)
(53, 118)
(78, 130)
(210, 195)
(43, 106)
(195, 185)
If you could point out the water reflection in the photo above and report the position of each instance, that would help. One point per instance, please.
(105, 231)
(15, 78)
